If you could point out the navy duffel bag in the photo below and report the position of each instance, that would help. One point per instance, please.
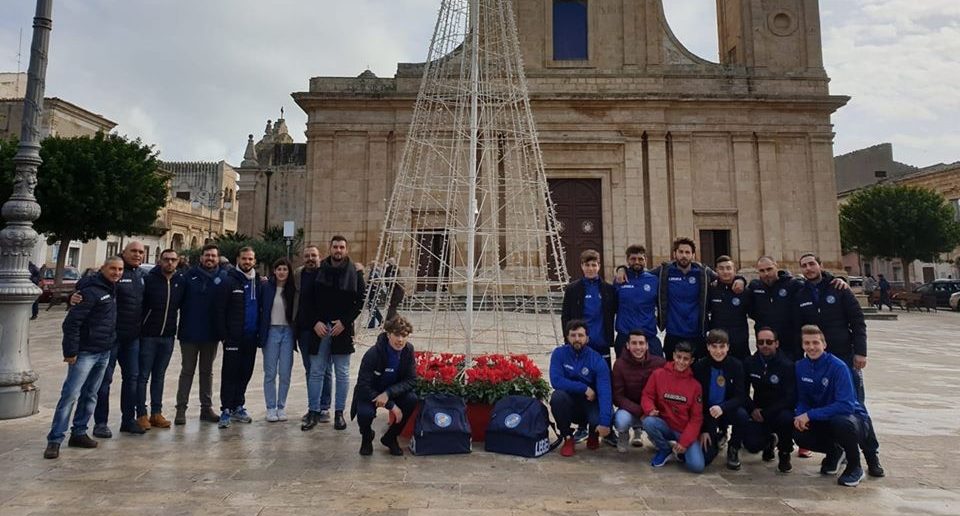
(441, 427)
(519, 426)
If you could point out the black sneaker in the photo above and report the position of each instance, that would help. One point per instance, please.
(306, 415)
(102, 431)
(733, 458)
(366, 443)
(392, 444)
(831, 463)
(581, 434)
(612, 438)
(338, 422)
(851, 477)
(52, 451)
(769, 453)
(81, 441)
(309, 423)
(874, 469)
(784, 463)
(131, 427)
(180, 418)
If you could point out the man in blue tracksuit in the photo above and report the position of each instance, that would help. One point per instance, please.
(581, 381)
(829, 418)
(198, 332)
(593, 301)
(238, 321)
(728, 310)
(127, 350)
(89, 336)
(682, 299)
(637, 291)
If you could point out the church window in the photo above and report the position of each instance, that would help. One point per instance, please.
(183, 195)
(570, 30)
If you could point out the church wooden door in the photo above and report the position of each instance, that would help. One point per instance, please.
(580, 215)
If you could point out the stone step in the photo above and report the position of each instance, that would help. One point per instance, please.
(879, 316)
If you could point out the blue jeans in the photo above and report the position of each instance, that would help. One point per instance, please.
(155, 353)
(319, 379)
(306, 336)
(79, 388)
(128, 355)
(277, 359)
(661, 434)
(623, 421)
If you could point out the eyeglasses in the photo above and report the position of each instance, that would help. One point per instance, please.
(766, 342)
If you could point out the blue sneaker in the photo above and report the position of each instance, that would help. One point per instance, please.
(240, 415)
(581, 434)
(851, 477)
(224, 419)
(661, 458)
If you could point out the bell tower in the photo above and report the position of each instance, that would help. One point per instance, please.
(776, 37)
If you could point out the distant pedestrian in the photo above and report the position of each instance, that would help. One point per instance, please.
(884, 286)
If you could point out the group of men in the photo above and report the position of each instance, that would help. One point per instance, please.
(124, 316)
(687, 392)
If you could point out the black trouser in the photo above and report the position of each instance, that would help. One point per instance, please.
(367, 411)
(737, 419)
(845, 432)
(756, 435)
(670, 343)
(871, 445)
(236, 371)
(569, 408)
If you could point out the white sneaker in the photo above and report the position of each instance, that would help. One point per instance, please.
(272, 415)
(281, 415)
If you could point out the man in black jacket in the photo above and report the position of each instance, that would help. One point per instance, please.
(772, 376)
(127, 350)
(162, 294)
(728, 310)
(305, 313)
(338, 300)
(388, 374)
(89, 336)
(238, 320)
(724, 397)
(594, 301)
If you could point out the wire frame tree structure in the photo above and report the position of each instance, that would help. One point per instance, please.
(470, 249)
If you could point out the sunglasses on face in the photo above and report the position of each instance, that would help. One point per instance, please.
(766, 342)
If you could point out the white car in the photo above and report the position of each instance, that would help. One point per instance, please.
(955, 301)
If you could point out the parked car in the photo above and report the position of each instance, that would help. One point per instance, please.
(941, 288)
(955, 301)
(47, 274)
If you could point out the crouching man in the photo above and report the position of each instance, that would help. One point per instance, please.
(89, 336)
(581, 381)
(770, 427)
(388, 374)
(674, 411)
(829, 419)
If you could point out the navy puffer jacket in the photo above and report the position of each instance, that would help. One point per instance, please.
(91, 325)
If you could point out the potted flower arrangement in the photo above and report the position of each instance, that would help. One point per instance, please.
(482, 382)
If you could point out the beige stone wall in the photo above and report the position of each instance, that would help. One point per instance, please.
(680, 144)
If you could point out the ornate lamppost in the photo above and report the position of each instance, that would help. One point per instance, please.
(18, 394)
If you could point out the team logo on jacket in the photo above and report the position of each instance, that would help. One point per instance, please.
(442, 419)
(647, 288)
(512, 420)
(783, 292)
(825, 381)
(585, 371)
(774, 379)
(692, 280)
(831, 300)
(721, 381)
(735, 301)
(216, 281)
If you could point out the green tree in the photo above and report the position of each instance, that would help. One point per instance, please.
(89, 187)
(894, 221)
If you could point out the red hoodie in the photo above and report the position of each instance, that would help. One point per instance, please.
(629, 377)
(677, 396)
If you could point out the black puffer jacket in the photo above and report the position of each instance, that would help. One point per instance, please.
(129, 303)
(91, 325)
(161, 301)
(774, 384)
(772, 306)
(735, 394)
(837, 313)
(372, 367)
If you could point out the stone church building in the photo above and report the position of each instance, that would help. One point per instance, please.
(642, 140)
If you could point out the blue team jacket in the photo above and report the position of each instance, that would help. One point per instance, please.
(574, 371)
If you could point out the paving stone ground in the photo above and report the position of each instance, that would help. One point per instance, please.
(913, 390)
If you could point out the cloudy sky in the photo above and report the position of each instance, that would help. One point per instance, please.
(195, 77)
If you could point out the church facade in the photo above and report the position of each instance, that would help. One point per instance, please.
(642, 140)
